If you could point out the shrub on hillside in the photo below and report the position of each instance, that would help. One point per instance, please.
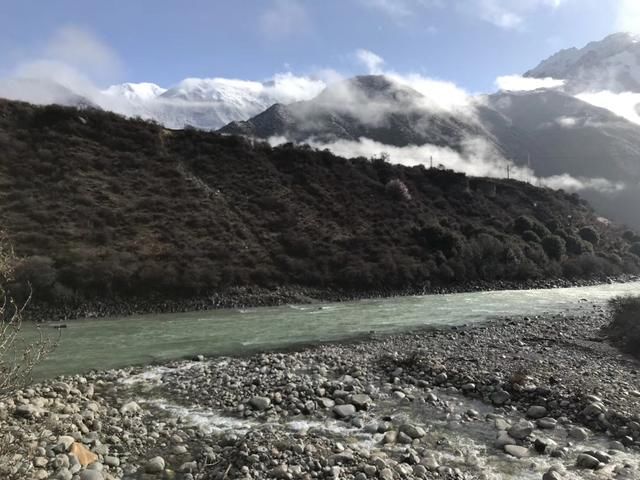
(437, 238)
(590, 235)
(530, 236)
(554, 246)
(398, 190)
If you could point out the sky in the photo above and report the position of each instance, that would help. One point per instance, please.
(467, 42)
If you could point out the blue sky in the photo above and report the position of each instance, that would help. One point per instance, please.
(469, 42)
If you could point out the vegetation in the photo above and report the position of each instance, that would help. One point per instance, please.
(624, 328)
(101, 207)
(18, 356)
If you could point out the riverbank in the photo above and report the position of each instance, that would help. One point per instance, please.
(251, 297)
(515, 398)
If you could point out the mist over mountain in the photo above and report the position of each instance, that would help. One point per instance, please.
(558, 133)
(204, 103)
(374, 106)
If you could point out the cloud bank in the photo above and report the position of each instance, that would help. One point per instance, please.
(477, 158)
(505, 14)
(518, 83)
(625, 105)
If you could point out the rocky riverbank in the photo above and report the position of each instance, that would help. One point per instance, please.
(250, 297)
(520, 398)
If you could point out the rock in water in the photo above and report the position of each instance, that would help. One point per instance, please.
(361, 401)
(552, 475)
(516, 451)
(130, 408)
(521, 430)
(587, 461)
(412, 431)
(344, 411)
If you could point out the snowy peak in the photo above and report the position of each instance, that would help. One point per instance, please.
(136, 91)
(214, 90)
(610, 64)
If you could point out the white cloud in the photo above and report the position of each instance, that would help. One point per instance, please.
(518, 83)
(439, 94)
(373, 62)
(284, 18)
(572, 184)
(625, 105)
(401, 9)
(477, 158)
(74, 58)
(81, 49)
(567, 122)
(628, 16)
(506, 14)
(71, 63)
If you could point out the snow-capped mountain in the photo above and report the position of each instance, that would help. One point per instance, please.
(135, 92)
(205, 103)
(374, 107)
(612, 64)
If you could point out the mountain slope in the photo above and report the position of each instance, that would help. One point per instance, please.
(560, 134)
(373, 107)
(610, 64)
(101, 207)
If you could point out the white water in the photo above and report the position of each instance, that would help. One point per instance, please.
(453, 439)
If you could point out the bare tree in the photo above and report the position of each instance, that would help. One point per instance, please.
(19, 353)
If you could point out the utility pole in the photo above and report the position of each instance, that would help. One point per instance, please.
(431, 162)
(508, 172)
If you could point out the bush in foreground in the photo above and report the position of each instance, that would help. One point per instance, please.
(624, 328)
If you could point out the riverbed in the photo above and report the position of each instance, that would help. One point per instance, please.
(532, 397)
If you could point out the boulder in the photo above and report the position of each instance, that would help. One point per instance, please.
(260, 403)
(344, 411)
(83, 454)
(517, 451)
(587, 461)
(130, 408)
(412, 431)
(521, 430)
(91, 475)
(536, 412)
(361, 401)
(155, 465)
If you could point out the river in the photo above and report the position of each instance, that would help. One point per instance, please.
(146, 339)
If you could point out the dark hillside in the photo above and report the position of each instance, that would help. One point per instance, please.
(100, 207)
